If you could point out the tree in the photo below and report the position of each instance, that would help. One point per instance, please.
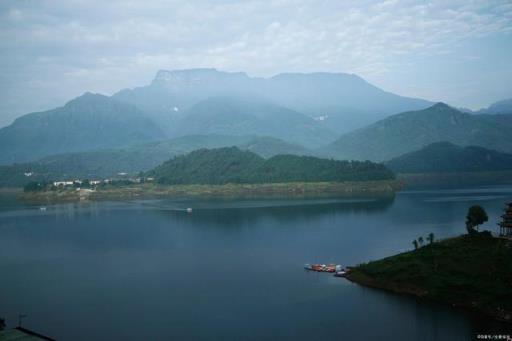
(420, 240)
(2, 323)
(476, 216)
(430, 238)
(415, 243)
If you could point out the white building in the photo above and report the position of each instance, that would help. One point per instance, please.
(63, 183)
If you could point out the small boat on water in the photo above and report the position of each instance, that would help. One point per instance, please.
(42, 208)
(332, 268)
(341, 273)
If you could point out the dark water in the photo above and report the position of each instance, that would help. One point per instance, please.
(230, 270)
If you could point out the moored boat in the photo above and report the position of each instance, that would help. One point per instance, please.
(332, 268)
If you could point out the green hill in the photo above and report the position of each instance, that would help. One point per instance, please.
(231, 165)
(88, 122)
(410, 131)
(444, 157)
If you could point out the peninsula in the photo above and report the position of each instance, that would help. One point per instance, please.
(471, 271)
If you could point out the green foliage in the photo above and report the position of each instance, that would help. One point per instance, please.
(476, 216)
(421, 241)
(469, 270)
(415, 243)
(204, 166)
(231, 165)
(430, 238)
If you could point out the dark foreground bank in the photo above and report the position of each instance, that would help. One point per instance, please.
(473, 272)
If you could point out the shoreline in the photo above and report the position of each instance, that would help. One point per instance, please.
(390, 274)
(385, 188)
(454, 179)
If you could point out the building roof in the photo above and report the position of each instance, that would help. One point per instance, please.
(22, 334)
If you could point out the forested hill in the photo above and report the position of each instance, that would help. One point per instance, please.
(231, 165)
(445, 157)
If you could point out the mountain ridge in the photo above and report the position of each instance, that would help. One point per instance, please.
(88, 122)
(409, 131)
(446, 157)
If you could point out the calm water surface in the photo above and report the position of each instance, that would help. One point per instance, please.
(148, 270)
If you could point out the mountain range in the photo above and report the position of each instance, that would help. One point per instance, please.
(294, 113)
(307, 109)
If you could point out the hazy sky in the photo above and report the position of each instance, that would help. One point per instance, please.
(459, 52)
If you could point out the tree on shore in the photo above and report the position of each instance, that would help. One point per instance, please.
(415, 243)
(2, 323)
(430, 238)
(421, 241)
(475, 217)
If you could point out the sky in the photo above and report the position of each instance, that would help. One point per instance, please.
(458, 52)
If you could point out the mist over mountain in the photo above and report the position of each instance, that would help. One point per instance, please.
(341, 102)
(311, 110)
(500, 107)
(410, 131)
(252, 116)
(88, 122)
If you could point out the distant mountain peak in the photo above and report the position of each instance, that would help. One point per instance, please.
(441, 106)
(88, 97)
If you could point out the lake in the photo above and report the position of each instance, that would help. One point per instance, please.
(230, 270)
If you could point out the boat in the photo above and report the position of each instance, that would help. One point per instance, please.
(332, 268)
(42, 208)
(341, 273)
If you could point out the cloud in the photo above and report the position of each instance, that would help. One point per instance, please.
(69, 47)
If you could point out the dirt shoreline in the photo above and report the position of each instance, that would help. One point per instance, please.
(272, 190)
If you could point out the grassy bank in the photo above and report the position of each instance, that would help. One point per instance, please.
(292, 189)
(473, 272)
